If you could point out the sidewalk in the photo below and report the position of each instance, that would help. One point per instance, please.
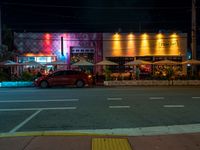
(98, 142)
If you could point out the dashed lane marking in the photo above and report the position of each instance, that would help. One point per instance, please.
(156, 98)
(119, 106)
(173, 106)
(39, 101)
(24, 109)
(196, 97)
(114, 99)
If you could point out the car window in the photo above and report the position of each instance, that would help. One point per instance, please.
(72, 72)
(59, 73)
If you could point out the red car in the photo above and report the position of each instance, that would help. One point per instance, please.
(63, 78)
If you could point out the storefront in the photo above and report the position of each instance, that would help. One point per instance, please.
(122, 48)
(69, 48)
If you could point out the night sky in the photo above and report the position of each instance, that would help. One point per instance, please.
(98, 15)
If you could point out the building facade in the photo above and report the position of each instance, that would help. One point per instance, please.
(122, 48)
(66, 47)
(94, 47)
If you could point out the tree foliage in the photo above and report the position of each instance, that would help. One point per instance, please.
(7, 49)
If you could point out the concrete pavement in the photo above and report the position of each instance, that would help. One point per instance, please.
(101, 142)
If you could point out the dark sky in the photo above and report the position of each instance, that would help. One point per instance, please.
(97, 15)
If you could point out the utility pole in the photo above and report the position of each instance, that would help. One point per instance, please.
(62, 46)
(0, 28)
(194, 29)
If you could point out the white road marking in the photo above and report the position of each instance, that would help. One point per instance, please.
(114, 99)
(39, 101)
(24, 109)
(119, 106)
(196, 97)
(168, 106)
(24, 122)
(156, 98)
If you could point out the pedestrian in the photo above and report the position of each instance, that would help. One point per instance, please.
(39, 74)
(96, 77)
(50, 71)
(137, 72)
(130, 75)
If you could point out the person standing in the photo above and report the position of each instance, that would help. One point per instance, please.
(137, 72)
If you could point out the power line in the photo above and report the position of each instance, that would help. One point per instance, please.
(94, 7)
(97, 23)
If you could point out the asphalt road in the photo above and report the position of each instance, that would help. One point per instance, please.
(32, 109)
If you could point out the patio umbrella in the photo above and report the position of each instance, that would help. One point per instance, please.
(8, 63)
(32, 63)
(106, 63)
(14, 66)
(192, 62)
(56, 63)
(166, 62)
(138, 62)
(83, 63)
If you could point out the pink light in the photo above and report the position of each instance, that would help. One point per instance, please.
(47, 36)
(47, 43)
(64, 35)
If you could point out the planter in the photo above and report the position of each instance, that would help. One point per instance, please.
(153, 83)
(16, 84)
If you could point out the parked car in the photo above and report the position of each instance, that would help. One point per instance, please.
(63, 78)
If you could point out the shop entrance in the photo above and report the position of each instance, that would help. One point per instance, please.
(78, 53)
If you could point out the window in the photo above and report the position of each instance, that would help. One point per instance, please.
(71, 72)
(59, 73)
(121, 61)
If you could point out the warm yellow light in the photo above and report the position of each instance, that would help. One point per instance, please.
(130, 36)
(174, 46)
(116, 35)
(144, 47)
(160, 48)
(144, 36)
(131, 44)
(159, 36)
(174, 35)
(116, 46)
(36, 55)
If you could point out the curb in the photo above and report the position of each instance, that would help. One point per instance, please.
(145, 131)
(53, 133)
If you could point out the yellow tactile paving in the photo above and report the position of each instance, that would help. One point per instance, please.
(110, 144)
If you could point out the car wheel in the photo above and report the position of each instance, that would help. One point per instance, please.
(44, 84)
(80, 84)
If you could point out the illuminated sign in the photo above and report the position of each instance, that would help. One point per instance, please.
(168, 43)
(82, 50)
